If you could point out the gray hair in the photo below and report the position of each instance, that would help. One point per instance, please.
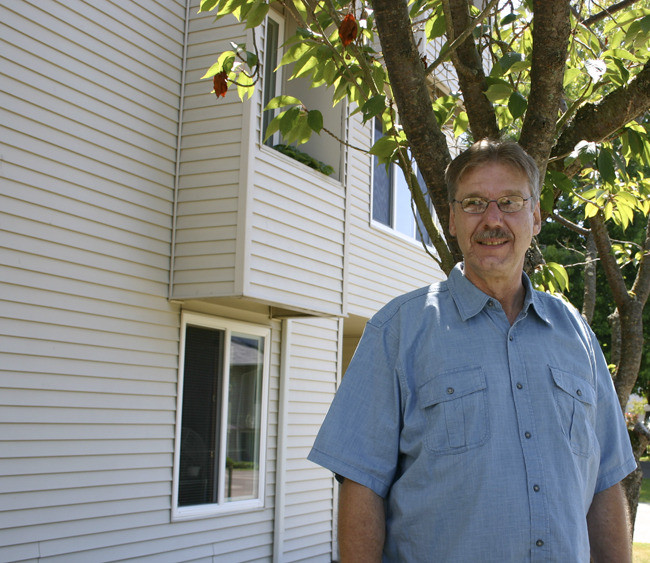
(488, 151)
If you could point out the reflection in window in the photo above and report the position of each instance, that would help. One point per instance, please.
(391, 198)
(220, 458)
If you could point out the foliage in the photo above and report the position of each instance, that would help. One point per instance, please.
(570, 81)
(305, 158)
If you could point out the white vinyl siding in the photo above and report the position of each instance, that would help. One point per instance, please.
(381, 264)
(212, 155)
(308, 509)
(297, 226)
(88, 338)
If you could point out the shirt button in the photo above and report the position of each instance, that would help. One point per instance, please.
(490, 303)
(511, 338)
(539, 543)
(520, 386)
(579, 392)
(528, 434)
(450, 390)
(536, 488)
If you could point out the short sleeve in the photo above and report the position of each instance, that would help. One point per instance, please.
(359, 439)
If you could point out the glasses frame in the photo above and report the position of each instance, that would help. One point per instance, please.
(487, 202)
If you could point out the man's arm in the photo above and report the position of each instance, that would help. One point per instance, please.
(609, 528)
(362, 524)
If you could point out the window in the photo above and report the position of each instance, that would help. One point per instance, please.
(272, 77)
(324, 147)
(391, 198)
(221, 418)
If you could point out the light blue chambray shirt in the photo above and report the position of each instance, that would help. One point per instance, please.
(487, 441)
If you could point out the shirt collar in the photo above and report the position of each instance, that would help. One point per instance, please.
(470, 300)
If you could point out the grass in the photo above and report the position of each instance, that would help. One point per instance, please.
(641, 553)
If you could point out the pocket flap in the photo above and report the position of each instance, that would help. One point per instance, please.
(451, 385)
(578, 387)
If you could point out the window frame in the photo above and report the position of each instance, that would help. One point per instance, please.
(180, 513)
(395, 201)
(267, 116)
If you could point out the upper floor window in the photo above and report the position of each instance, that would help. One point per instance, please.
(322, 147)
(221, 417)
(391, 197)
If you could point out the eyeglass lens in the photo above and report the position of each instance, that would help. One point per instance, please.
(507, 204)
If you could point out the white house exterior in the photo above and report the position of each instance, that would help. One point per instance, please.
(143, 223)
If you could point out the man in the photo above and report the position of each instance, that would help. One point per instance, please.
(477, 420)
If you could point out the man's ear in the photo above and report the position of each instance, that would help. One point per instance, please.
(452, 220)
(537, 220)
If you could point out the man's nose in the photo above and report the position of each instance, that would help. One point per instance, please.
(493, 214)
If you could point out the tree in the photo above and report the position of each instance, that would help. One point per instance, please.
(570, 81)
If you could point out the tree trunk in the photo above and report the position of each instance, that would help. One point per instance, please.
(408, 82)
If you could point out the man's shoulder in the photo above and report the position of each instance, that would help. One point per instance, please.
(410, 303)
(554, 307)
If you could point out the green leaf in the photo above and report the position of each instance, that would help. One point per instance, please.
(585, 151)
(606, 166)
(256, 14)
(517, 105)
(461, 124)
(373, 107)
(273, 126)
(498, 91)
(435, 26)
(288, 121)
(315, 120)
(511, 59)
(207, 5)
(281, 101)
(384, 148)
(591, 210)
(510, 18)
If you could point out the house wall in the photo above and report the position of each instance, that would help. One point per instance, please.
(251, 221)
(89, 110)
(211, 186)
(381, 263)
(90, 100)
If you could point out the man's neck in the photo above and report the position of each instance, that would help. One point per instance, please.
(509, 292)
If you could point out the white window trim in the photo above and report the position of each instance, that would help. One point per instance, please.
(279, 74)
(228, 326)
(388, 229)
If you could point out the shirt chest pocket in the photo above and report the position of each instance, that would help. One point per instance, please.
(454, 405)
(575, 401)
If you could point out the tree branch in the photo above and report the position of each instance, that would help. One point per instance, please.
(408, 82)
(641, 286)
(608, 260)
(608, 12)
(469, 68)
(551, 31)
(595, 122)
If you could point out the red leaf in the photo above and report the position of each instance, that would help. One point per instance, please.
(348, 30)
(221, 84)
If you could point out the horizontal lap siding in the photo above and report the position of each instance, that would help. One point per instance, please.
(211, 160)
(381, 265)
(308, 510)
(297, 224)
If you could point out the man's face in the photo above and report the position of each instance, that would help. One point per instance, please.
(494, 243)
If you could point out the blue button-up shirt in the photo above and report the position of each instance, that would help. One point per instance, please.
(488, 441)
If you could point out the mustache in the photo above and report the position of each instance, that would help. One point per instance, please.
(492, 234)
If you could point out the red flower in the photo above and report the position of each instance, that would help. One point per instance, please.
(348, 30)
(220, 84)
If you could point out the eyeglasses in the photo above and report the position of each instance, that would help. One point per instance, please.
(506, 203)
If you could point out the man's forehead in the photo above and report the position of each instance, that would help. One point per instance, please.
(483, 175)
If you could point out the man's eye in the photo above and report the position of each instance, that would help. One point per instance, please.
(474, 202)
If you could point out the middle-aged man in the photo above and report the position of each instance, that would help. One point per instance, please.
(477, 421)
